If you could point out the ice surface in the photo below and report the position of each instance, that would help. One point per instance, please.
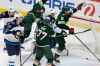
(65, 61)
(77, 52)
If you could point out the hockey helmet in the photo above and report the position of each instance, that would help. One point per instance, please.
(12, 10)
(69, 8)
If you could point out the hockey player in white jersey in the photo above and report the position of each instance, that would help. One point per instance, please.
(7, 16)
(13, 31)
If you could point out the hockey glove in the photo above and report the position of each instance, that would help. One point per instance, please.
(64, 33)
(18, 35)
(21, 39)
(71, 30)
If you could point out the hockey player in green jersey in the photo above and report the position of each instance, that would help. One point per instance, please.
(36, 12)
(42, 48)
(62, 19)
(45, 29)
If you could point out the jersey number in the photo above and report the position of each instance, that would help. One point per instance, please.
(41, 35)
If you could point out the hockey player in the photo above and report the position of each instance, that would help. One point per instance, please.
(36, 12)
(13, 31)
(45, 29)
(42, 45)
(7, 16)
(66, 12)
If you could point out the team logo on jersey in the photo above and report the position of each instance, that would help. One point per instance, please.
(43, 28)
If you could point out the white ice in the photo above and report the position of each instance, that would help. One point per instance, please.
(65, 61)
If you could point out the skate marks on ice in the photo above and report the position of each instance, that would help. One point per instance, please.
(76, 61)
(65, 61)
(68, 61)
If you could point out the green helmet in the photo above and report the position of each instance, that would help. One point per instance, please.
(69, 8)
(37, 8)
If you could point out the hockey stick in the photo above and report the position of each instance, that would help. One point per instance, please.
(29, 54)
(27, 58)
(87, 48)
(74, 33)
(20, 57)
(20, 52)
(29, 39)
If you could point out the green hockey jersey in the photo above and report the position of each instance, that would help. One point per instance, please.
(30, 18)
(43, 33)
(62, 21)
(27, 23)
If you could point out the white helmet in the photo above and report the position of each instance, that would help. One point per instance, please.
(12, 10)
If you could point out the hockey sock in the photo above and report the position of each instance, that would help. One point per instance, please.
(12, 60)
